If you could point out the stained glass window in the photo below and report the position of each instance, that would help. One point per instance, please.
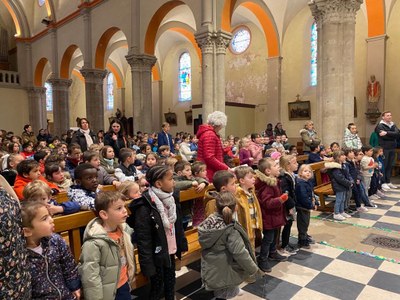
(314, 52)
(241, 40)
(49, 96)
(185, 78)
(110, 92)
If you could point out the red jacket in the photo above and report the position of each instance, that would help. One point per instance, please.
(210, 150)
(268, 192)
(21, 182)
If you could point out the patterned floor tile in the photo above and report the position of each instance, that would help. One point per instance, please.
(272, 288)
(386, 281)
(360, 259)
(350, 271)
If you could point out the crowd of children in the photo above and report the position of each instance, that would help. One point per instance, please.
(258, 203)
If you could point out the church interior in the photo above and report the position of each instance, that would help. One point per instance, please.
(260, 61)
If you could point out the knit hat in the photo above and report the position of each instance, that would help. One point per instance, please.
(276, 155)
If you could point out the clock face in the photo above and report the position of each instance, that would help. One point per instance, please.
(41, 2)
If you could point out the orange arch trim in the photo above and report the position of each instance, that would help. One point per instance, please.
(156, 73)
(190, 36)
(102, 47)
(14, 17)
(66, 60)
(39, 71)
(150, 38)
(267, 24)
(376, 17)
(116, 75)
(78, 74)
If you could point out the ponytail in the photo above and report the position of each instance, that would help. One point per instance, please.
(226, 204)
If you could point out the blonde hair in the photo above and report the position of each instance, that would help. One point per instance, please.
(302, 168)
(242, 142)
(242, 171)
(226, 204)
(284, 161)
(170, 162)
(126, 186)
(265, 163)
(35, 189)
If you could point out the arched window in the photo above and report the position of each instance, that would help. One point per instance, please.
(185, 77)
(314, 52)
(110, 91)
(49, 96)
(41, 2)
(240, 40)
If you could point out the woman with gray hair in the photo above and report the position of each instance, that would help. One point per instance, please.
(209, 146)
(309, 136)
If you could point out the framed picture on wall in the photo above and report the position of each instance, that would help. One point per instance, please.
(188, 117)
(171, 118)
(299, 110)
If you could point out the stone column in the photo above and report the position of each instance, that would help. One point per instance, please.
(60, 104)
(121, 94)
(336, 19)
(141, 65)
(94, 79)
(222, 41)
(37, 107)
(87, 32)
(273, 111)
(206, 41)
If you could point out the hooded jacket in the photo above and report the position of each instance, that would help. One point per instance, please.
(340, 183)
(150, 234)
(210, 150)
(388, 141)
(268, 193)
(54, 272)
(100, 262)
(21, 182)
(351, 140)
(287, 184)
(243, 212)
(227, 258)
(309, 139)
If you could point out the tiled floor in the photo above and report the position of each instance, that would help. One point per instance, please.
(337, 271)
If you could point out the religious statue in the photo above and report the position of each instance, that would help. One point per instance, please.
(373, 93)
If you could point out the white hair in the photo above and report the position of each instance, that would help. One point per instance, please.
(217, 118)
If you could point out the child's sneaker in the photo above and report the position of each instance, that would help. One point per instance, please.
(362, 209)
(392, 186)
(292, 247)
(345, 215)
(371, 205)
(385, 187)
(381, 194)
(264, 265)
(339, 217)
(277, 257)
(304, 244)
(289, 252)
(310, 240)
(373, 197)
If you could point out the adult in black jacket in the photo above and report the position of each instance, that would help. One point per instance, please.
(146, 219)
(115, 137)
(388, 133)
(84, 137)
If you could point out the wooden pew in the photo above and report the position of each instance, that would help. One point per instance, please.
(301, 159)
(321, 189)
(71, 224)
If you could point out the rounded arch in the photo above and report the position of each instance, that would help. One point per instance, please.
(264, 17)
(154, 24)
(66, 61)
(113, 68)
(100, 58)
(376, 17)
(17, 14)
(38, 76)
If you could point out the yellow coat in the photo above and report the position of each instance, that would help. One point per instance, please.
(244, 212)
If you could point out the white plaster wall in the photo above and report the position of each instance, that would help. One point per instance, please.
(392, 86)
(246, 76)
(170, 86)
(15, 111)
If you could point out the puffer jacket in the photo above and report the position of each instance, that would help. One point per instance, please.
(243, 212)
(54, 272)
(100, 262)
(309, 138)
(288, 183)
(340, 183)
(150, 235)
(304, 194)
(350, 140)
(268, 192)
(83, 197)
(210, 150)
(387, 141)
(14, 275)
(227, 258)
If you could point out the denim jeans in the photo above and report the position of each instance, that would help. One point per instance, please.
(268, 243)
(339, 203)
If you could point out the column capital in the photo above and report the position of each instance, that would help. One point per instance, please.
(383, 37)
(60, 83)
(222, 41)
(36, 90)
(335, 11)
(93, 75)
(205, 40)
(141, 62)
